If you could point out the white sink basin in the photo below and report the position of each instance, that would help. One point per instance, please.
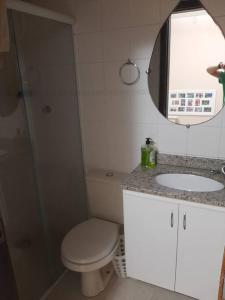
(189, 182)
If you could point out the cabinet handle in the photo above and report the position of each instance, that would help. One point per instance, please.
(185, 221)
(171, 220)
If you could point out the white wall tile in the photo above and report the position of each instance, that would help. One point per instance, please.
(221, 22)
(203, 141)
(217, 121)
(118, 146)
(90, 77)
(144, 12)
(95, 157)
(134, 159)
(214, 7)
(223, 117)
(142, 40)
(88, 15)
(222, 144)
(113, 82)
(142, 84)
(172, 139)
(95, 138)
(138, 132)
(95, 132)
(118, 107)
(115, 14)
(167, 6)
(163, 120)
(116, 45)
(141, 109)
(93, 107)
(125, 140)
(89, 47)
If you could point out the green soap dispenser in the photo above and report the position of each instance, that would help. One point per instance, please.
(145, 153)
(149, 154)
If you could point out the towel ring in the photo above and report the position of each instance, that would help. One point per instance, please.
(129, 63)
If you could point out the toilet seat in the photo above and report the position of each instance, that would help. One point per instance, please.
(90, 245)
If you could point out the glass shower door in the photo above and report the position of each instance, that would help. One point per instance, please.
(7, 282)
(19, 202)
(46, 55)
(42, 190)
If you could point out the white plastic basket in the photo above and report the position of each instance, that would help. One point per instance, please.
(119, 260)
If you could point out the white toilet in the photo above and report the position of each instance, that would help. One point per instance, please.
(90, 246)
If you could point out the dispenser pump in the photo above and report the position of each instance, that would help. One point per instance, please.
(148, 141)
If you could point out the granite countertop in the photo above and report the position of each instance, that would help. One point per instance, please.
(143, 180)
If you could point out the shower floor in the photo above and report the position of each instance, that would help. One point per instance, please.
(118, 289)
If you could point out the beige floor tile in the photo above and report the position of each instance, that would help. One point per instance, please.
(118, 289)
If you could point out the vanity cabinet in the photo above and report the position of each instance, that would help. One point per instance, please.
(200, 250)
(174, 244)
(150, 240)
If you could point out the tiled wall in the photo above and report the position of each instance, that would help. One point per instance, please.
(116, 118)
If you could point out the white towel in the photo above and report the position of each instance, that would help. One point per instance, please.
(4, 29)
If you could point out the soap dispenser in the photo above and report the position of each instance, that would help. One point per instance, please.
(149, 154)
(145, 153)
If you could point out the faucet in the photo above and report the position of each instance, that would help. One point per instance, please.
(223, 169)
(216, 171)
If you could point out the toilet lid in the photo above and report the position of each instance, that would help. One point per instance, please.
(90, 241)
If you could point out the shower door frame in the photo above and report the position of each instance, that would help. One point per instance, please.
(31, 9)
(36, 10)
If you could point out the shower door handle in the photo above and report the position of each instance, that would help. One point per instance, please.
(185, 221)
(20, 94)
(2, 234)
(171, 220)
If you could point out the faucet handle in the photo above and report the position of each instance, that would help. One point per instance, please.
(223, 169)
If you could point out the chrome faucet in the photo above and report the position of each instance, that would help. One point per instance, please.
(223, 169)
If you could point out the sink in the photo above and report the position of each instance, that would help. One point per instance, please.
(189, 182)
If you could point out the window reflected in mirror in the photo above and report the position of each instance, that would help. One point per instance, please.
(186, 72)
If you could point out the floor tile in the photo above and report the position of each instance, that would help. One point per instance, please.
(118, 289)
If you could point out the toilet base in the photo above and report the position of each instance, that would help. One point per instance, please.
(94, 282)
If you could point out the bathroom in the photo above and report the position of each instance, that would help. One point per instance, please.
(59, 142)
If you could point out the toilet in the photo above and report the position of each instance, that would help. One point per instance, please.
(90, 246)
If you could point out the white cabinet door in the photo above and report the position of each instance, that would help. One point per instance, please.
(150, 239)
(201, 240)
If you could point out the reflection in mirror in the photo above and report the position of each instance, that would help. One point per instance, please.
(186, 76)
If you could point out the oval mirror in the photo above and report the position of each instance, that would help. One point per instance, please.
(186, 75)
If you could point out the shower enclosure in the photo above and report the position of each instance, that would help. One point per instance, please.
(42, 190)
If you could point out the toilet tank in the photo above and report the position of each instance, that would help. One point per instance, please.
(105, 198)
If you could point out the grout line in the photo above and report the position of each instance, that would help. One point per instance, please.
(110, 61)
(118, 29)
